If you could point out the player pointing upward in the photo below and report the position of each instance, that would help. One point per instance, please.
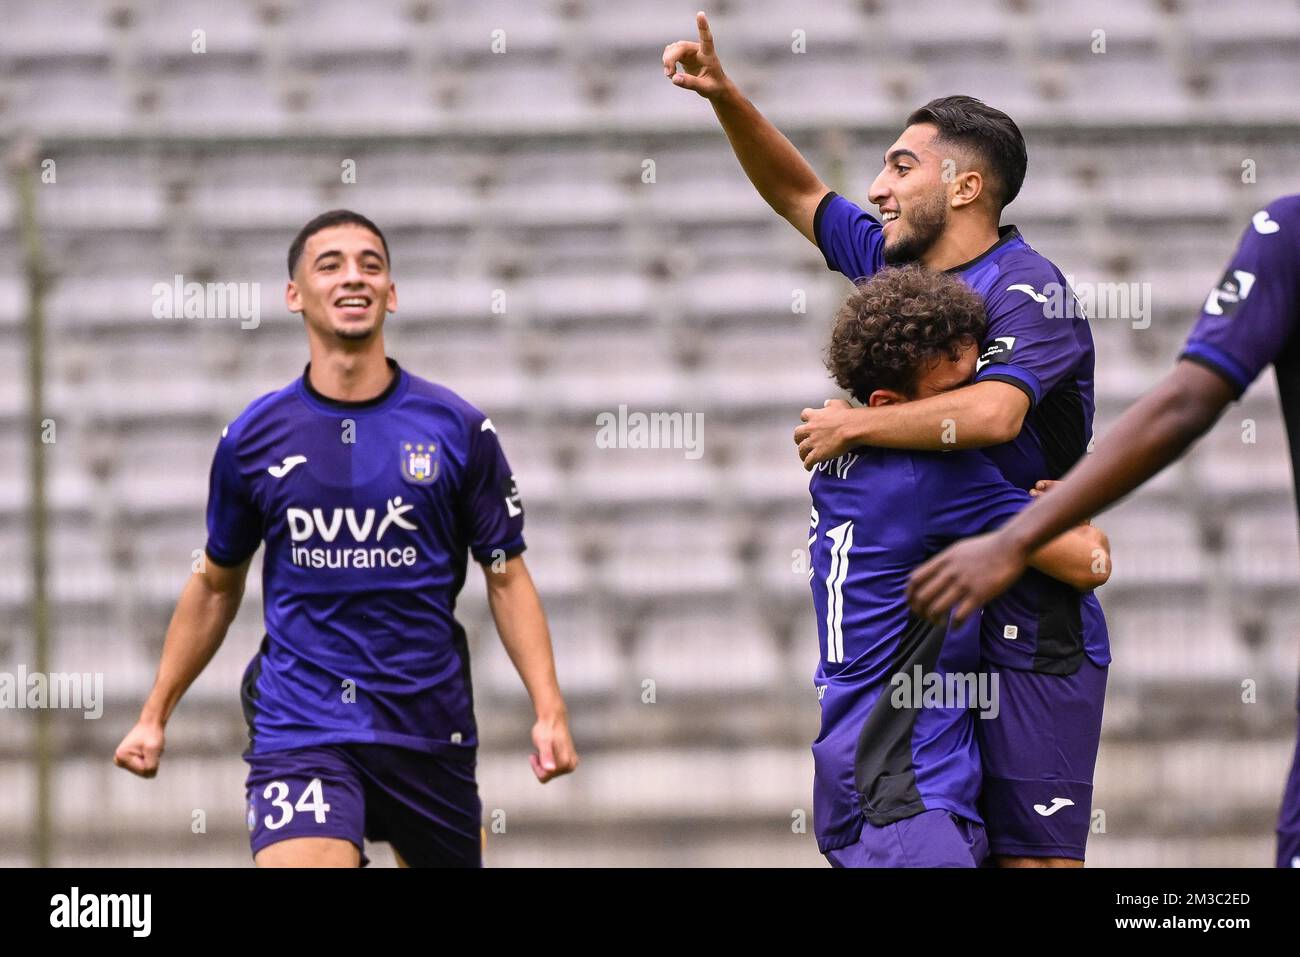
(369, 487)
(941, 192)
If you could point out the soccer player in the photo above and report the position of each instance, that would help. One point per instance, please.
(897, 766)
(941, 193)
(369, 486)
(1250, 319)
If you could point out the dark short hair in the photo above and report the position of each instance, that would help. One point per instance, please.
(335, 217)
(896, 321)
(989, 133)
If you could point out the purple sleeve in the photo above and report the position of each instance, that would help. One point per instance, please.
(1025, 344)
(963, 494)
(491, 498)
(849, 238)
(1250, 315)
(234, 523)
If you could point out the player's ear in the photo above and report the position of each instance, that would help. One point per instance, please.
(390, 305)
(967, 187)
(292, 298)
(885, 397)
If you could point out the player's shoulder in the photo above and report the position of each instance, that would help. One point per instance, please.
(258, 412)
(1278, 218)
(1288, 205)
(1024, 271)
(434, 395)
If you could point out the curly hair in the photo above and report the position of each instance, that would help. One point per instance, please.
(896, 322)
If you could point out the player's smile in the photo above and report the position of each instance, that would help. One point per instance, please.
(353, 305)
(342, 285)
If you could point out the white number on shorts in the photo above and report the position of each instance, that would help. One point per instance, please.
(311, 799)
(317, 804)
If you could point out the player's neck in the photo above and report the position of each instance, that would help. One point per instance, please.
(350, 376)
(960, 243)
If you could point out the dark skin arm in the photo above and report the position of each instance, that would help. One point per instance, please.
(1153, 432)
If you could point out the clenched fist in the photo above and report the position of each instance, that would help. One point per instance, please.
(141, 750)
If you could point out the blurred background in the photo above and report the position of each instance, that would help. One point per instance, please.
(571, 233)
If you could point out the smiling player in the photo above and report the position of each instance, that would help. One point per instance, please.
(941, 192)
(369, 486)
(896, 780)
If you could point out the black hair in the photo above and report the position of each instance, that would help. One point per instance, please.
(335, 217)
(994, 136)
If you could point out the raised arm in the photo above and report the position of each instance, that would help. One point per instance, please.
(521, 623)
(780, 174)
(206, 608)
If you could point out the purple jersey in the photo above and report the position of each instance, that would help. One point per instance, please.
(368, 510)
(1038, 341)
(885, 751)
(1250, 318)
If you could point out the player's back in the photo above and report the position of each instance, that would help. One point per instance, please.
(897, 736)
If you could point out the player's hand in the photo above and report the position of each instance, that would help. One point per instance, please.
(141, 750)
(822, 436)
(964, 577)
(1043, 486)
(703, 69)
(555, 753)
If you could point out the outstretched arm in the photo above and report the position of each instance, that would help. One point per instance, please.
(206, 608)
(521, 623)
(780, 174)
(1155, 431)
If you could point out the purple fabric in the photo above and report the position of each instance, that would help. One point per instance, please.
(930, 839)
(1039, 754)
(427, 806)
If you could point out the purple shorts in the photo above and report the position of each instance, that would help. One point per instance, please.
(1288, 819)
(1039, 754)
(427, 806)
(935, 838)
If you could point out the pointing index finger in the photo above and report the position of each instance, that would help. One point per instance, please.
(706, 35)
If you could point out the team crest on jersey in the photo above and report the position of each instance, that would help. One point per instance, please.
(419, 462)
